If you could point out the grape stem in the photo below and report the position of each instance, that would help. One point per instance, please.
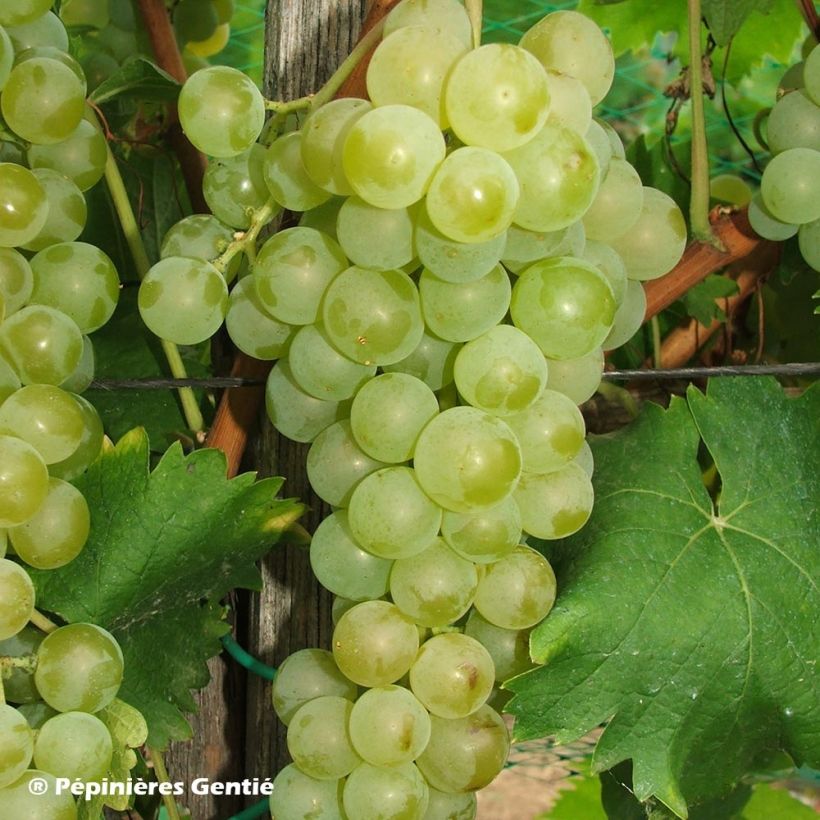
(699, 197)
(41, 622)
(162, 776)
(657, 346)
(246, 240)
(475, 11)
(125, 213)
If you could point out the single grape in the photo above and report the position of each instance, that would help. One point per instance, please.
(342, 566)
(389, 726)
(431, 361)
(22, 799)
(221, 111)
(98, 66)
(67, 210)
(373, 317)
(444, 15)
(375, 238)
(75, 745)
(390, 155)
(525, 247)
(730, 189)
(23, 481)
(390, 515)
(789, 186)
(809, 242)
(570, 105)
(467, 753)
(395, 793)
(509, 648)
(766, 225)
(211, 45)
(93, 13)
(6, 57)
(89, 448)
(200, 236)
(485, 536)
(194, 20)
(323, 218)
(17, 744)
(304, 676)
(23, 11)
(83, 374)
(374, 643)
(296, 796)
(629, 317)
(80, 156)
(19, 685)
(497, 97)
(10, 383)
(617, 205)
(286, 177)
(556, 504)
(576, 378)
(36, 713)
(23, 205)
(444, 806)
(794, 122)
(234, 187)
(16, 279)
(16, 598)
(811, 75)
(251, 328)
(46, 31)
(318, 738)
(79, 668)
(610, 264)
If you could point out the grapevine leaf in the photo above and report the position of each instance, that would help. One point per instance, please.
(582, 801)
(137, 77)
(690, 627)
(725, 17)
(700, 303)
(165, 547)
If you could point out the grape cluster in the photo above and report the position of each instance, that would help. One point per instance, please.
(788, 203)
(470, 241)
(54, 292)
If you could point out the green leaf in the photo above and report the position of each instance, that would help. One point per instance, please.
(691, 627)
(582, 801)
(137, 77)
(700, 303)
(767, 803)
(725, 17)
(165, 547)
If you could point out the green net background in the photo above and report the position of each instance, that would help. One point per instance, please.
(635, 105)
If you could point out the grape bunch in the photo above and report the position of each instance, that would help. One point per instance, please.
(788, 203)
(471, 240)
(54, 292)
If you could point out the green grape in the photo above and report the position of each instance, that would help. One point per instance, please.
(557, 504)
(98, 66)
(558, 173)
(6, 57)
(467, 460)
(45, 29)
(766, 225)
(17, 744)
(57, 532)
(286, 177)
(409, 67)
(67, 210)
(225, 10)
(485, 536)
(194, 20)
(656, 242)
(570, 105)
(318, 738)
(46, 417)
(571, 43)
(293, 271)
(82, 376)
(19, 800)
(296, 796)
(79, 280)
(388, 413)
(183, 300)
(445, 15)
(434, 587)
(444, 806)
(501, 372)
(336, 464)
(390, 516)
(221, 111)
(323, 218)
(617, 205)
(454, 261)
(23, 205)
(52, 53)
(388, 726)
(550, 432)
(294, 413)
(472, 196)
(789, 186)
(23, 482)
(453, 675)
(390, 155)
(16, 597)
(432, 362)
(201, 236)
(395, 793)
(811, 75)
(36, 713)
(585, 459)
(251, 328)
(792, 80)
(75, 745)
(459, 312)
(16, 280)
(578, 378)
(629, 317)
(10, 383)
(610, 264)
(525, 247)
(43, 100)
(19, 685)
(304, 676)
(340, 606)
(323, 138)
(89, 448)
(794, 122)
(212, 45)
(85, 13)
(809, 242)
(79, 668)
(509, 648)
(497, 97)
(467, 753)
(81, 156)
(518, 591)
(599, 141)
(373, 317)
(730, 189)
(375, 238)
(234, 187)
(374, 643)
(342, 566)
